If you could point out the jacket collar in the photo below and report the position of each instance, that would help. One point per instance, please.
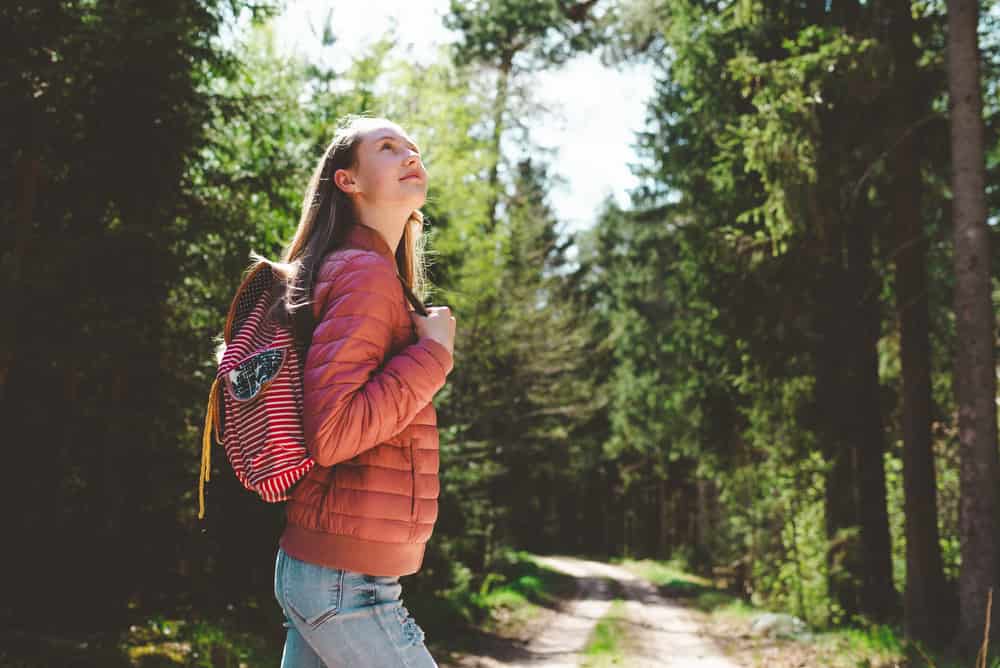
(368, 238)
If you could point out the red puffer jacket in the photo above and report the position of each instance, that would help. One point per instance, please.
(370, 503)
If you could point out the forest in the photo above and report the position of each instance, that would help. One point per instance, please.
(777, 363)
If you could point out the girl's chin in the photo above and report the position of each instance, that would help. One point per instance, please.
(415, 199)
(413, 187)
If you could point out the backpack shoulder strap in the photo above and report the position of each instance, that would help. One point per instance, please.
(418, 305)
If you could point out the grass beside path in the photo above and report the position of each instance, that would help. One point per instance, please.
(509, 605)
(517, 594)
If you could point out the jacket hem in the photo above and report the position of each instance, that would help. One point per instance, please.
(352, 554)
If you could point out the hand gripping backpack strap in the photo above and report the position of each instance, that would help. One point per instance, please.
(418, 305)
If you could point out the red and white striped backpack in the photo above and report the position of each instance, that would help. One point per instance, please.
(255, 404)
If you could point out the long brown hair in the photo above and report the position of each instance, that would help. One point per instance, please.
(327, 216)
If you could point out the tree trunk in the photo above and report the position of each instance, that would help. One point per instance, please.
(975, 370)
(924, 597)
(878, 596)
(833, 404)
(662, 520)
(28, 171)
(705, 518)
(850, 426)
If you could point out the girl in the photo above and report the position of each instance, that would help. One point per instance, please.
(361, 518)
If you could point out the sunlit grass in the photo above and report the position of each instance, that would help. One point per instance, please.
(673, 581)
(606, 645)
(666, 573)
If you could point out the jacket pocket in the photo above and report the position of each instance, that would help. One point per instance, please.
(413, 482)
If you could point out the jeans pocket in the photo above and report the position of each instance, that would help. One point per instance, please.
(313, 593)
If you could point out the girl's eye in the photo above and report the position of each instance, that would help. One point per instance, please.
(386, 144)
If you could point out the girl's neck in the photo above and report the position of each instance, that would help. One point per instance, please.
(387, 222)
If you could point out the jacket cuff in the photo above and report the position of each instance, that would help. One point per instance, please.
(439, 353)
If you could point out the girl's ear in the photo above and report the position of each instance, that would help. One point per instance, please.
(344, 180)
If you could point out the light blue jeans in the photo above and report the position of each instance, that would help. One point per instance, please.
(342, 618)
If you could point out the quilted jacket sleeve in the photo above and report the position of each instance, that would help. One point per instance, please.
(354, 398)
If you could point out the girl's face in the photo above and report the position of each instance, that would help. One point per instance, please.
(389, 170)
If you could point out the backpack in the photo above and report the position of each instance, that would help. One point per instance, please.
(255, 403)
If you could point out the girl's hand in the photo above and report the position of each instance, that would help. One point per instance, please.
(439, 325)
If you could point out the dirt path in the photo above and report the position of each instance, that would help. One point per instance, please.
(660, 633)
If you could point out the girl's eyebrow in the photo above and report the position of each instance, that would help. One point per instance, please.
(411, 144)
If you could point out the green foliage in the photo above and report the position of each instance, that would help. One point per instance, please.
(493, 31)
(781, 139)
(776, 501)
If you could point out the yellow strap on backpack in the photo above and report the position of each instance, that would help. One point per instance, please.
(211, 415)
